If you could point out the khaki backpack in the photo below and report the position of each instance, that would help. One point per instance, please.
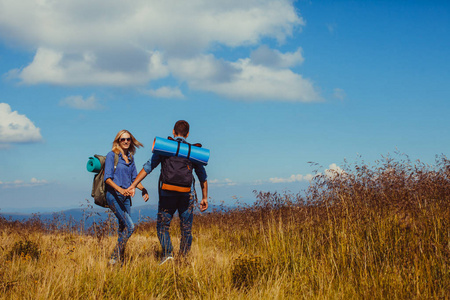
(99, 185)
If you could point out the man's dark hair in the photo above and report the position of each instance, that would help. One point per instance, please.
(181, 128)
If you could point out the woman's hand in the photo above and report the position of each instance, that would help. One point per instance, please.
(131, 190)
(124, 192)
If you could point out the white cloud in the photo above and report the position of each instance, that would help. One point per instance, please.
(339, 93)
(56, 67)
(331, 27)
(78, 102)
(225, 182)
(157, 67)
(292, 178)
(129, 43)
(78, 24)
(242, 79)
(275, 59)
(20, 183)
(333, 171)
(16, 128)
(165, 92)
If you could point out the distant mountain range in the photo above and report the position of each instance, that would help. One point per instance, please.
(89, 215)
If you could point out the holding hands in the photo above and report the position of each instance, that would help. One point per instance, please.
(124, 192)
(130, 191)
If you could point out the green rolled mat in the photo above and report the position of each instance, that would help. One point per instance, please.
(94, 165)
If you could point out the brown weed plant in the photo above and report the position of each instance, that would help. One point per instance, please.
(25, 250)
(246, 269)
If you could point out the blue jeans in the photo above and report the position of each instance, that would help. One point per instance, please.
(121, 207)
(169, 202)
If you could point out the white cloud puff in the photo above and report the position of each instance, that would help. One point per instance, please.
(130, 43)
(292, 178)
(333, 171)
(339, 93)
(275, 59)
(331, 27)
(165, 92)
(78, 102)
(218, 183)
(56, 67)
(80, 24)
(243, 79)
(20, 183)
(16, 128)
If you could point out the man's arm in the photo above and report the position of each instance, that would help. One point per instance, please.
(144, 191)
(201, 175)
(132, 188)
(204, 202)
(147, 169)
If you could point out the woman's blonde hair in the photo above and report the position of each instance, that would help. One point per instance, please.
(133, 145)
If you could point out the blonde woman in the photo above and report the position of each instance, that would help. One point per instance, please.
(117, 180)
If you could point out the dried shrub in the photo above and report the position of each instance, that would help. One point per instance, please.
(246, 270)
(25, 249)
(103, 228)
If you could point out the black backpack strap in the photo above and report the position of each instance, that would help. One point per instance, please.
(189, 153)
(159, 185)
(178, 148)
(189, 145)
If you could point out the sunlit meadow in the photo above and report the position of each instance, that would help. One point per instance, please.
(377, 231)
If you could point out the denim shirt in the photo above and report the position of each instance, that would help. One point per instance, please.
(154, 161)
(124, 174)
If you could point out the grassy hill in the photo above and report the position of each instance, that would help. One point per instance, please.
(378, 232)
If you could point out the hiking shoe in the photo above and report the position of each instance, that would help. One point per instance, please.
(166, 259)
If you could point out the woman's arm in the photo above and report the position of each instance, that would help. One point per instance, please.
(131, 189)
(109, 165)
(109, 173)
(116, 187)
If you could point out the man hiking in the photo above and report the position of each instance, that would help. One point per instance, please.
(176, 192)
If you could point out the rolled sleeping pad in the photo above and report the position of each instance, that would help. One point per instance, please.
(168, 147)
(94, 165)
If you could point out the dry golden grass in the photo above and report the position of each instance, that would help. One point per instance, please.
(378, 232)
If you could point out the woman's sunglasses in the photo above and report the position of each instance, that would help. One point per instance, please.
(125, 139)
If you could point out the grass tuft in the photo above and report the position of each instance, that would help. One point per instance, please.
(26, 250)
(246, 270)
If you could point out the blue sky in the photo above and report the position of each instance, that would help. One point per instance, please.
(267, 86)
